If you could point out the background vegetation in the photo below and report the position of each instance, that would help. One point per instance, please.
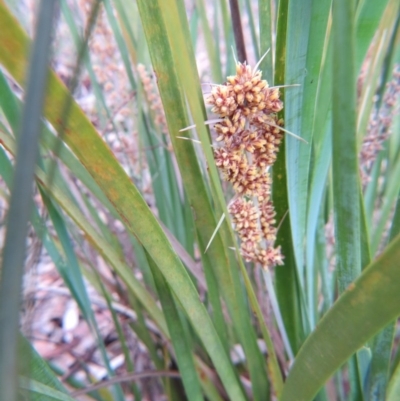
(128, 207)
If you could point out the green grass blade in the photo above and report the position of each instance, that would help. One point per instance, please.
(370, 303)
(122, 45)
(286, 280)
(39, 370)
(21, 202)
(389, 198)
(344, 146)
(317, 189)
(297, 152)
(345, 158)
(299, 172)
(377, 385)
(368, 16)
(41, 391)
(9, 104)
(228, 35)
(394, 386)
(211, 46)
(265, 26)
(374, 79)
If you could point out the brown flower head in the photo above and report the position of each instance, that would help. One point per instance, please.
(249, 130)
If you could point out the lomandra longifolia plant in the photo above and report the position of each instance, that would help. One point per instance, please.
(131, 235)
(250, 133)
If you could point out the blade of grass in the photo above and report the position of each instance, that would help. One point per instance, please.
(317, 189)
(42, 391)
(393, 391)
(378, 54)
(306, 34)
(21, 202)
(120, 42)
(214, 298)
(345, 158)
(211, 46)
(297, 152)
(377, 385)
(286, 280)
(344, 147)
(368, 16)
(389, 198)
(265, 20)
(228, 35)
(39, 369)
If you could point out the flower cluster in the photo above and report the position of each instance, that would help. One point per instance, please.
(379, 128)
(153, 98)
(249, 133)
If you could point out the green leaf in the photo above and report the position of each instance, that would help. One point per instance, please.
(39, 370)
(345, 174)
(368, 16)
(297, 152)
(286, 279)
(265, 19)
(344, 146)
(13, 257)
(377, 385)
(44, 392)
(370, 303)
(306, 35)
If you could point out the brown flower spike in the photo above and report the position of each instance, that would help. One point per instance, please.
(250, 137)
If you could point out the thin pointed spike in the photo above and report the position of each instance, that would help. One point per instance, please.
(282, 220)
(221, 220)
(213, 121)
(284, 86)
(188, 128)
(288, 132)
(210, 84)
(260, 61)
(188, 139)
(234, 56)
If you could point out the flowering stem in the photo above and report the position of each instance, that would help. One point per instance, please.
(238, 31)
